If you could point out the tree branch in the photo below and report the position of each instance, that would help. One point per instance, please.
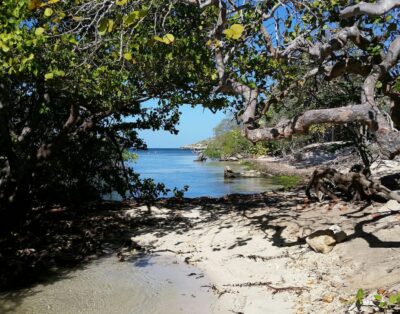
(372, 9)
(323, 50)
(378, 71)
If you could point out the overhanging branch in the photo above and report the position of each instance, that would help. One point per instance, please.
(372, 9)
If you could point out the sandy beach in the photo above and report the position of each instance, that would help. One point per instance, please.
(254, 251)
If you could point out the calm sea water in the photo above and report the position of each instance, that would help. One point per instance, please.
(176, 168)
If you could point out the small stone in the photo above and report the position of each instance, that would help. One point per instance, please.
(339, 234)
(322, 241)
(327, 298)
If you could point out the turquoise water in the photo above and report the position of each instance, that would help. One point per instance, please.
(176, 168)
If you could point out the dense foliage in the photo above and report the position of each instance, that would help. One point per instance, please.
(76, 77)
(228, 141)
(69, 115)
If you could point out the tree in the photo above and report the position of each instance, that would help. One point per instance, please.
(64, 126)
(255, 49)
(331, 39)
(72, 72)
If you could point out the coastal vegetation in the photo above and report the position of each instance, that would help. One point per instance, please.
(72, 73)
(232, 143)
(79, 81)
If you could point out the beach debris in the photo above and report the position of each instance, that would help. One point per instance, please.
(268, 285)
(263, 258)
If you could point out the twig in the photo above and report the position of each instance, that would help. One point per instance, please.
(264, 258)
(269, 286)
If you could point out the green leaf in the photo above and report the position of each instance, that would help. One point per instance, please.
(48, 12)
(378, 297)
(234, 32)
(48, 76)
(4, 47)
(73, 40)
(394, 298)
(121, 2)
(103, 26)
(39, 31)
(382, 304)
(33, 4)
(158, 38)
(134, 16)
(59, 72)
(26, 59)
(110, 25)
(360, 296)
(128, 56)
(168, 39)
(228, 33)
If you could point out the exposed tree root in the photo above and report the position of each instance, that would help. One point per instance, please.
(354, 186)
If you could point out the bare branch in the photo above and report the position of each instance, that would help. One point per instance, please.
(378, 71)
(322, 50)
(373, 9)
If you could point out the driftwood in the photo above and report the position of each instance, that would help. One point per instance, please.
(352, 185)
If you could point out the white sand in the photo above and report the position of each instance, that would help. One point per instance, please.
(224, 234)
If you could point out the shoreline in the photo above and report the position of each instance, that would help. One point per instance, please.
(253, 249)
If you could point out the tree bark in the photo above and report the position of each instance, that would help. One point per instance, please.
(388, 139)
(372, 9)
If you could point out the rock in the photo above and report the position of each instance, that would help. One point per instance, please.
(322, 241)
(238, 156)
(201, 158)
(228, 173)
(250, 174)
(233, 159)
(327, 298)
(391, 205)
(339, 234)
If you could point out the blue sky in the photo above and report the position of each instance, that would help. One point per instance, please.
(196, 124)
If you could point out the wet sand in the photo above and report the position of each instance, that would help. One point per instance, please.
(150, 284)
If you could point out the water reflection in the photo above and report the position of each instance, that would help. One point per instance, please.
(176, 168)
